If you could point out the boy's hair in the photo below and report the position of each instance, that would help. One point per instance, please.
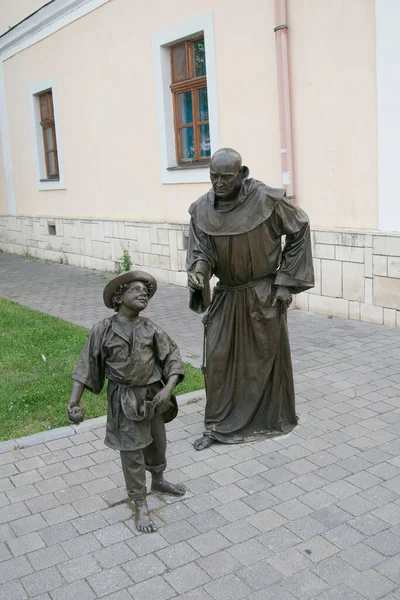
(117, 296)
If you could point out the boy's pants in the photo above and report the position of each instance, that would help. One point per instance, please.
(152, 458)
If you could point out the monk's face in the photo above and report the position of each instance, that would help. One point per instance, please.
(225, 175)
(136, 296)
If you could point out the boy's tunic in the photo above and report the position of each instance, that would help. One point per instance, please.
(136, 363)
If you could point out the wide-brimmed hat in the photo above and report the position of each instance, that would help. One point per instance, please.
(125, 278)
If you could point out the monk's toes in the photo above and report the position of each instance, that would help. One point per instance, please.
(203, 442)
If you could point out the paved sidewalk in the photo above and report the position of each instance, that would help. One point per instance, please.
(312, 515)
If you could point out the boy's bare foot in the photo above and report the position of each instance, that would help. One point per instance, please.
(142, 517)
(164, 487)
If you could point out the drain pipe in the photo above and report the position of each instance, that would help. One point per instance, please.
(285, 124)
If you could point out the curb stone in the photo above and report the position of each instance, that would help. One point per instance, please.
(61, 432)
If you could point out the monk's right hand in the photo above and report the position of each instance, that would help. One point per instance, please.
(195, 281)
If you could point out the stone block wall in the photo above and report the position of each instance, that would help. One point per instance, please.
(159, 248)
(357, 276)
(357, 273)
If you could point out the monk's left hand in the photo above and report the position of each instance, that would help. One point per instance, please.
(162, 400)
(284, 296)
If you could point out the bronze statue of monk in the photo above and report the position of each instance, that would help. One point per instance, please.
(236, 234)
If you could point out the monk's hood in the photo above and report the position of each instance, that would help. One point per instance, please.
(254, 204)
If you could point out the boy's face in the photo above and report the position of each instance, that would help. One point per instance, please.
(136, 297)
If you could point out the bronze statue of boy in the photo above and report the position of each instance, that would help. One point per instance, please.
(142, 365)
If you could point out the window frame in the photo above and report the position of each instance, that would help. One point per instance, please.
(44, 182)
(190, 84)
(200, 25)
(49, 123)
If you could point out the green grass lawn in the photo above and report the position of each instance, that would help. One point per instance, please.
(35, 390)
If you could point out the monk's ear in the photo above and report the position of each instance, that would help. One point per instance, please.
(244, 173)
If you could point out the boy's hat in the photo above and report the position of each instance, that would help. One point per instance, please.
(125, 278)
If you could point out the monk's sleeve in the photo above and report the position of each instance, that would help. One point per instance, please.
(200, 259)
(168, 355)
(296, 270)
(90, 366)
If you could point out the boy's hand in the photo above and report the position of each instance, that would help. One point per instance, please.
(75, 413)
(162, 401)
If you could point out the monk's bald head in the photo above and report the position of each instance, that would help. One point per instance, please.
(226, 172)
(227, 156)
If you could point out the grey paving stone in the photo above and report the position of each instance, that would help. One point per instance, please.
(207, 520)
(390, 568)
(14, 569)
(317, 549)
(13, 512)
(286, 491)
(28, 524)
(89, 523)
(261, 500)
(219, 564)
(331, 516)
(79, 546)
(361, 557)
(293, 509)
(234, 511)
(340, 592)
(186, 578)
(228, 586)
(177, 555)
(306, 527)
(114, 555)
(58, 533)
(42, 581)
(22, 493)
(42, 503)
(47, 557)
(74, 591)
(238, 531)
(259, 575)
(109, 581)
(208, 543)
(305, 585)
(273, 592)
(317, 499)
(371, 584)
(112, 534)
(178, 532)
(334, 571)
(144, 567)
(249, 552)
(379, 495)
(266, 520)
(289, 562)
(201, 485)
(12, 590)
(343, 536)
(385, 542)
(153, 588)
(390, 513)
(25, 543)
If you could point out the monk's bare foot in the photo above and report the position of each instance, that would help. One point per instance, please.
(159, 485)
(203, 442)
(142, 517)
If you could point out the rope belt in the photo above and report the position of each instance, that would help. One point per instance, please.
(245, 286)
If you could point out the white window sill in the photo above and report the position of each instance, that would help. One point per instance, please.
(186, 174)
(50, 184)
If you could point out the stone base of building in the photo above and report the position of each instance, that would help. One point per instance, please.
(357, 273)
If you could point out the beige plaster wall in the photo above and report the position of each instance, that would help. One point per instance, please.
(108, 120)
(107, 105)
(13, 11)
(3, 192)
(333, 78)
